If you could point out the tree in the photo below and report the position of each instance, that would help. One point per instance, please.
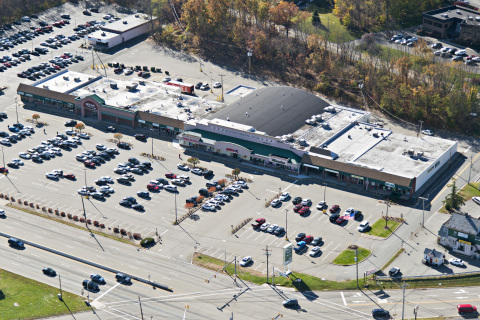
(283, 14)
(80, 126)
(454, 200)
(193, 161)
(222, 182)
(35, 117)
(118, 136)
(236, 172)
(316, 18)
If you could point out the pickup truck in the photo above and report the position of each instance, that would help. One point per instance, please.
(300, 246)
(258, 223)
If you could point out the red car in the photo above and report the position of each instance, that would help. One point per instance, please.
(170, 175)
(334, 208)
(70, 176)
(297, 208)
(3, 170)
(21, 75)
(57, 67)
(118, 70)
(152, 187)
(303, 210)
(308, 239)
(258, 223)
(341, 220)
(89, 164)
(7, 64)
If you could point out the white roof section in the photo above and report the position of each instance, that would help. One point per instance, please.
(232, 125)
(149, 96)
(65, 81)
(126, 23)
(102, 36)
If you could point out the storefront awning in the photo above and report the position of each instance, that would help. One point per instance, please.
(311, 166)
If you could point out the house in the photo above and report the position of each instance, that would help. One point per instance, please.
(433, 257)
(461, 233)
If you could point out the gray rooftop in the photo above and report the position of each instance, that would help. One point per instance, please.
(65, 81)
(463, 223)
(126, 23)
(275, 110)
(458, 13)
(433, 252)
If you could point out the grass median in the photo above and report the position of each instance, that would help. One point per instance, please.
(347, 257)
(23, 298)
(378, 228)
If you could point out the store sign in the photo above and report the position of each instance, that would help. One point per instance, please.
(463, 235)
(278, 160)
(389, 184)
(356, 177)
(141, 121)
(232, 150)
(155, 125)
(89, 105)
(287, 254)
(21, 93)
(463, 241)
(190, 140)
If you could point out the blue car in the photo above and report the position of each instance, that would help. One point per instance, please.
(13, 129)
(301, 245)
(143, 194)
(97, 278)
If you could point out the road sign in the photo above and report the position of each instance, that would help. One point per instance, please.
(287, 254)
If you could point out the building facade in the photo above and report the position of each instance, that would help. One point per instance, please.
(461, 233)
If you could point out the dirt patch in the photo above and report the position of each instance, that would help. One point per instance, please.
(199, 261)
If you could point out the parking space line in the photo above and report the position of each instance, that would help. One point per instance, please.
(343, 298)
(261, 263)
(331, 251)
(275, 239)
(258, 236)
(246, 230)
(292, 234)
(215, 252)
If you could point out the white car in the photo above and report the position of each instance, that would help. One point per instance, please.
(224, 197)
(322, 205)
(100, 147)
(363, 226)
(217, 85)
(214, 203)
(272, 228)
(58, 172)
(306, 202)
(314, 251)
(56, 151)
(241, 183)
(166, 79)
(83, 192)
(476, 200)
(427, 132)
(107, 17)
(83, 135)
(183, 167)
(245, 261)
(107, 179)
(438, 53)
(18, 161)
(219, 198)
(456, 262)
(24, 155)
(179, 182)
(170, 187)
(51, 175)
(128, 71)
(184, 177)
(106, 189)
(208, 207)
(197, 171)
(275, 202)
(265, 226)
(349, 210)
(2, 213)
(285, 196)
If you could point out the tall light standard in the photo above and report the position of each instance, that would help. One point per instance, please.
(3, 156)
(423, 209)
(176, 217)
(286, 225)
(152, 147)
(386, 217)
(324, 190)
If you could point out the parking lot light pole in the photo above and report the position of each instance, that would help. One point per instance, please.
(423, 210)
(152, 147)
(324, 190)
(176, 218)
(286, 225)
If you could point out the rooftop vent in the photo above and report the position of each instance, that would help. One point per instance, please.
(104, 34)
(77, 79)
(65, 78)
(411, 152)
(445, 15)
(125, 22)
(45, 87)
(113, 85)
(420, 154)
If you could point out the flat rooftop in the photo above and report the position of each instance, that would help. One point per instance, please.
(331, 125)
(100, 35)
(274, 110)
(65, 81)
(150, 96)
(456, 12)
(368, 146)
(126, 23)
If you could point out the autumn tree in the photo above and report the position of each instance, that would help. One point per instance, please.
(118, 136)
(193, 161)
(35, 117)
(283, 14)
(236, 172)
(80, 126)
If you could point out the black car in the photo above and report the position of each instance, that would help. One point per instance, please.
(203, 192)
(122, 278)
(163, 181)
(36, 158)
(198, 85)
(90, 286)
(123, 145)
(380, 313)
(133, 160)
(125, 203)
(140, 137)
(130, 199)
(297, 200)
(12, 165)
(62, 136)
(207, 173)
(138, 207)
(70, 123)
(3, 134)
(101, 182)
(317, 241)
(300, 237)
(98, 195)
(104, 155)
(333, 217)
(279, 231)
(123, 180)
(147, 164)
(143, 194)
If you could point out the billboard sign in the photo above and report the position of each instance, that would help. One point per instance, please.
(287, 254)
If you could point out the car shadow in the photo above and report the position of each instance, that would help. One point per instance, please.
(304, 289)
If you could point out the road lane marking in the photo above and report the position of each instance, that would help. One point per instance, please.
(343, 298)
(106, 292)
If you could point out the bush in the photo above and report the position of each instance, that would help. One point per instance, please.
(70, 216)
(58, 214)
(31, 204)
(123, 232)
(75, 218)
(12, 199)
(19, 201)
(89, 221)
(102, 226)
(147, 242)
(63, 212)
(25, 203)
(37, 206)
(56, 211)
(137, 236)
(115, 230)
(82, 220)
(49, 210)
(96, 223)
(1, 195)
(44, 209)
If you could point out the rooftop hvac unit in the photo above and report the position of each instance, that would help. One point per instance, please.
(132, 87)
(319, 117)
(125, 22)
(411, 151)
(45, 87)
(310, 121)
(103, 34)
(420, 154)
(375, 134)
(65, 78)
(76, 79)
(141, 82)
(113, 85)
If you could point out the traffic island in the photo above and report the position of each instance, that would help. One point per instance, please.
(347, 257)
(378, 229)
(24, 298)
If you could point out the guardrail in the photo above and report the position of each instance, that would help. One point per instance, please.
(93, 264)
(427, 277)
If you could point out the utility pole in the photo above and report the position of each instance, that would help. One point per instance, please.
(324, 190)
(3, 155)
(221, 77)
(273, 275)
(356, 260)
(140, 303)
(286, 225)
(200, 61)
(420, 128)
(60, 281)
(471, 164)
(176, 217)
(423, 210)
(84, 212)
(211, 82)
(225, 264)
(85, 176)
(386, 217)
(403, 304)
(267, 253)
(152, 147)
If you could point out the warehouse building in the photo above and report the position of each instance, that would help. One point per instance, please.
(118, 32)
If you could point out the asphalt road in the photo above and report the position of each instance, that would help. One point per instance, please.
(116, 301)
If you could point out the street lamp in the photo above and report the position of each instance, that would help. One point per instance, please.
(423, 210)
(16, 108)
(324, 190)
(386, 217)
(176, 218)
(286, 225)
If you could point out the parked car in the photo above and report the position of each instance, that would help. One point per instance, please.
(334, 208)
(275, 203)
(314, 252)
(258, 222)
(393, 272)
(322, 205)
(183, 167)
(364, 226)
(380, 313)
(317, 241)
(300, 237)
(476, 200)
(290, 303)
(456, 262)
(284, 196)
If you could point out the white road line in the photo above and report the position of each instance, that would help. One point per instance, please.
(284, 190)
(331, 252)
(343, 298)
(107, 292)
(253, 232)
(164, 232)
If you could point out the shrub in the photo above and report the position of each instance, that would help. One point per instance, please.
(137, 236)
(70, 216)
(129, 234)
(115, 230)
(63, 212)
(37, 206)
(58, 214)
(89, 221)
(1, 195)
(147, 242)
(19, 201)
(50, 210)
(6, 197)
(56, 211)
(44, 209)
(25, 203)
(123, 231)
(96, 223)
(82, 220)
(31, 204)
(103, 226)
(75, 218)
(12, 199)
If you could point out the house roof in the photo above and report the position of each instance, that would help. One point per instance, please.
(155, 118)
(46, 93)
(256, 148)
(464, 223)
(274, 110)
(433, 252)
(356, 170)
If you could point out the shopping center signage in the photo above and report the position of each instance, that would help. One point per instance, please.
(232, 150)
(90, 105)
(277, 160)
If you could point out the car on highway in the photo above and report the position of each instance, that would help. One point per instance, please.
(363, 226)
(97, 278)
(183, 167)
(246, 261)
(14, 242)
(466, 308)
(49, 272)
(380, 313)
(2, 213)
(284, 196)
(275, 203)
(334, 208)
(90, 286)
(314, 251)
(456, 262)
(122, 278)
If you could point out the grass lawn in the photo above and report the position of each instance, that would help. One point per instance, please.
(471, 190)
(395, 256)
(378, 228)
(34, 299)
(331, 27)
(347, 257)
